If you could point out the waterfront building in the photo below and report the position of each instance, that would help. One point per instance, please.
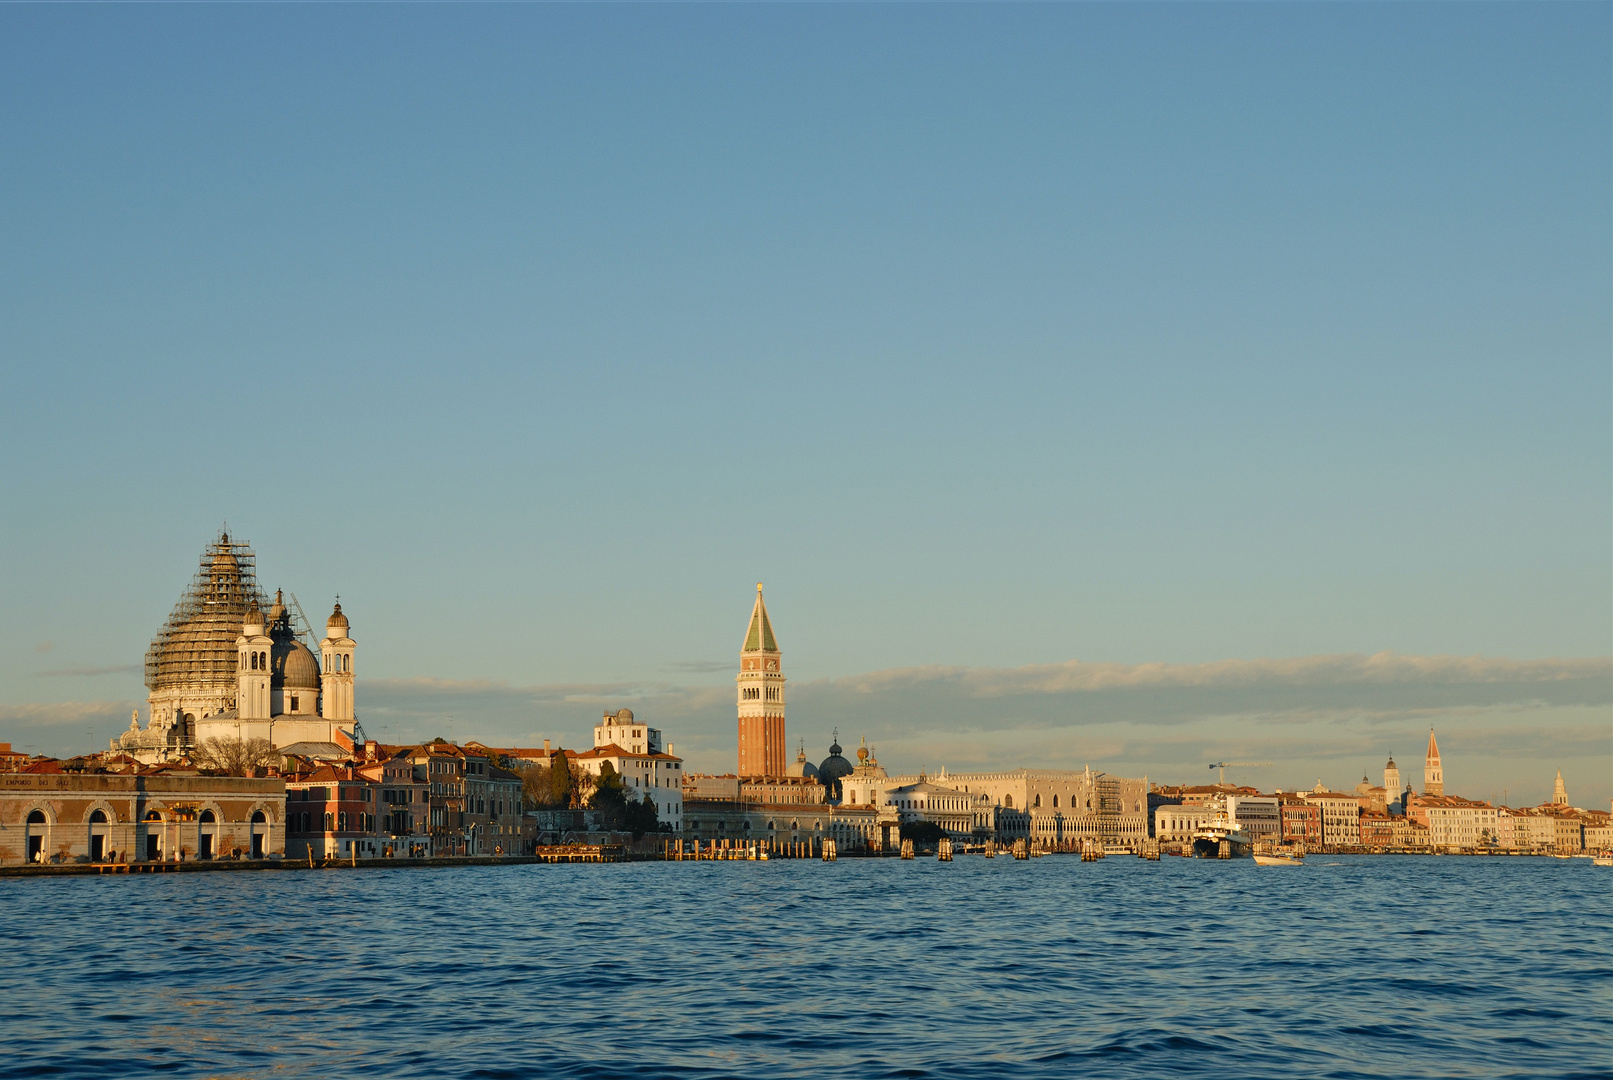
(1391, 783)
(1258, 815)
(1341, 815)
(492, 804)
(760, 687)
(228, 664)
(649, 772)
(1177, 823)
(441, 766)
(1455, 822)
(142, 813)
(1378, 828)
(1433, 774)
(946, 807)
(331, 812)
(1301, 820)
(867, 783)
(1598, 831)
(1096, 805)
(1532, 831)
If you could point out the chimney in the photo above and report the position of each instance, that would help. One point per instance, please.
(371, 749)
(545, 746)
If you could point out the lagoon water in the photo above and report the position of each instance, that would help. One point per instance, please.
(1346, 967)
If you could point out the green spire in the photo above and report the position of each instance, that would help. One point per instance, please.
(759, 638)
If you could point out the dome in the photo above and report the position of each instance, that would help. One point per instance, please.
(801, 766)
(1391, 764)
(195, 649)
(337, 621)
(624, 715)
(294, 667)
(833, 768)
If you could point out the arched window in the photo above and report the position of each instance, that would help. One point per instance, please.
(207, 817)
(1055, 802)
(152, 815)
(36, 818)
(96, 818)
(1037, 801)
(1008, 801)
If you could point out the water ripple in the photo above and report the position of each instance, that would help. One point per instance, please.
(1363, 967)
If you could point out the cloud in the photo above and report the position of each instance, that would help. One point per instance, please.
(62, 673)
(1381, 687)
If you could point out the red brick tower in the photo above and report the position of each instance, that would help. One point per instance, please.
(761, 698)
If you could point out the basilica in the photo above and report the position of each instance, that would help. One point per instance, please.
(230, 664)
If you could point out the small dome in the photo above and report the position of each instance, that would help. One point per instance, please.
(624, 715)
(1391, 764)
(254, 617)
(279, 608)
(834, 767)
(295, 668)
(337, 620)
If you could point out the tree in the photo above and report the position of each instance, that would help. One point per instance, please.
(235, 757)
(618, 808)
(562, 781)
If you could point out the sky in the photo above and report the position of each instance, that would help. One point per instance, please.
(1129, 385)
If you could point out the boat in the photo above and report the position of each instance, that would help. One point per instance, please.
(1604, 859)
(1222, 838)
(1279, 860)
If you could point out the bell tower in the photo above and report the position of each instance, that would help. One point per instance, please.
(252, 668)
(1433, 775)
(761, 697)
(336, 681)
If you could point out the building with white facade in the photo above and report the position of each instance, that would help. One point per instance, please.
(647, 771)
(229, 664)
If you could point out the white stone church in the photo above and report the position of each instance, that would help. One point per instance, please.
(223, 668)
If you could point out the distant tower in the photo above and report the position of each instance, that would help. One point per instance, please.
(252, 667)
(1559, 794)
(1391, 779)
(761, 697)
(1433, 775)
(336, 684)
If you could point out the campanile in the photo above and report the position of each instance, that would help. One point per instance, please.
(761, 697)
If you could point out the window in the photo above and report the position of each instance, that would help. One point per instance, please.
(1037, 801)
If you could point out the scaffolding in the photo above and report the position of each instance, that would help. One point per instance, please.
(195, 649)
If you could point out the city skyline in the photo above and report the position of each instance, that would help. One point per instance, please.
(1127, 385)
(1066, 715)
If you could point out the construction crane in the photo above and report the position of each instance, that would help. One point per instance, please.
(1225, 765)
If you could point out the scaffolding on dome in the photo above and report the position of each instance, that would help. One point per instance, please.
(196, 646)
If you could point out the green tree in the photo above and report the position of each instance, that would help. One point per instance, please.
(562, 781)
(618, 808)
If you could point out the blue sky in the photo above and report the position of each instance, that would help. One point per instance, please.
(986, 336)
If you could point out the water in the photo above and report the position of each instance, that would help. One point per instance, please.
(1349, 967)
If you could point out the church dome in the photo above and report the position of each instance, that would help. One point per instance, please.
(195, 649)
(801, 766)
(293, 667)
(834, 767)
(337, 621)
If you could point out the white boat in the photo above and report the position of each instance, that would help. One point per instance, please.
(1604, 859)
(1279, 860)
(1222, 834)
